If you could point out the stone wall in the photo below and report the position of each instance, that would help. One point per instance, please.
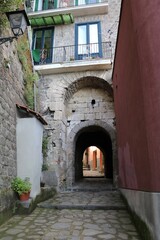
(11, 92)
(65, 104)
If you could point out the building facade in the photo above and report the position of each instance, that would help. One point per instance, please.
(73, 45)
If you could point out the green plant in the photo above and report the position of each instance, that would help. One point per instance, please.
(44, 167)
(21, 186)
(44, 146)
(71, 58)
(30, 77)
(23, 50)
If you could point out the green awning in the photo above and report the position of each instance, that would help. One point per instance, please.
(52, 20)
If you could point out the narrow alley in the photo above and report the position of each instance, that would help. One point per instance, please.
(87, 212)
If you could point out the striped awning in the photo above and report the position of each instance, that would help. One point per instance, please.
(52, 20)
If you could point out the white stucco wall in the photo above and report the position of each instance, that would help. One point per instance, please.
(29, 151)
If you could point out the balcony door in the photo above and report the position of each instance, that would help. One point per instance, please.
(43, 45)
(41, 5)
(88, 41)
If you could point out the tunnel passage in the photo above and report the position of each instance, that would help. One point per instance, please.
(93, 136)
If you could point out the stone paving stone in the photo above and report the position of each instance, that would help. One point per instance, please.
(72, 224)
(13, 231)
(76, 228)
(107, 236)
(7, 238)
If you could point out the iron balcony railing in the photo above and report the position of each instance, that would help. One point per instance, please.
(83, 52)
(41, 5)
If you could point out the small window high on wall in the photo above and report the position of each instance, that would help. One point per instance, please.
(45, 4)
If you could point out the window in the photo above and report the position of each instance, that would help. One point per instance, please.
(45, 4)
(83, 2)
(88, 40)
(43, 45)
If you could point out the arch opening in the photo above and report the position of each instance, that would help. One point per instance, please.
(93, 162)
(100, 139)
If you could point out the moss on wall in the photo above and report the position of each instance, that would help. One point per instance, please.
(30, 77)
(23, 50)
(7, 199)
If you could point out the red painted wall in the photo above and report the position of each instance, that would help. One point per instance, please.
(136, 81)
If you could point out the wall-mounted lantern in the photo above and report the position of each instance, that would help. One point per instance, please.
(18, 22)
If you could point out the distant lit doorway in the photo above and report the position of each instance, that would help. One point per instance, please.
(93, 162)
(95, 138)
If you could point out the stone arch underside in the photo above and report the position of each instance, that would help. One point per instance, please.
(90, 82)
(85, 134)
(93, 136)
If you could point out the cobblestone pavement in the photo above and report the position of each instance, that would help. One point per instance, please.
(80, 223)
(102, 200)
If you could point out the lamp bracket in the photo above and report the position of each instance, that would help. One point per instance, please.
(6, 39)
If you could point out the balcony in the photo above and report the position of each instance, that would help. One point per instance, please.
(73, 58)
(75, 7)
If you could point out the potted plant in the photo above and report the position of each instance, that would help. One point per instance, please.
(21, 187)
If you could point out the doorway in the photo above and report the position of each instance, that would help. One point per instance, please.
(93, 162)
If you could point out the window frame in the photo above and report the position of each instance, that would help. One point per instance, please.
(77, 56)
(48, 59)
(44, 6)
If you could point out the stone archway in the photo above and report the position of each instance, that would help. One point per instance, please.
(93, 136)
(76, 136)
(89, 82)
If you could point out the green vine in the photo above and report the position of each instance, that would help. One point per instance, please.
(6, 6)
(44, 146)
(23, 50)
(30, 77)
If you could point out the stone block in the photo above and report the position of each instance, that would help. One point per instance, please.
(50, 178)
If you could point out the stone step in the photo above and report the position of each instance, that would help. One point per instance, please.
(91, 189)
(100, 200)
(81, 207)
(93, 184)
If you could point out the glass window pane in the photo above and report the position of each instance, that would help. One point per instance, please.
(48, 41)
(38, 40)
(81, 2)
(47, 38)
(50, 4)
(44, 4)
(93, 35)
(92, 1)
(82, 39)
(40, 5)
